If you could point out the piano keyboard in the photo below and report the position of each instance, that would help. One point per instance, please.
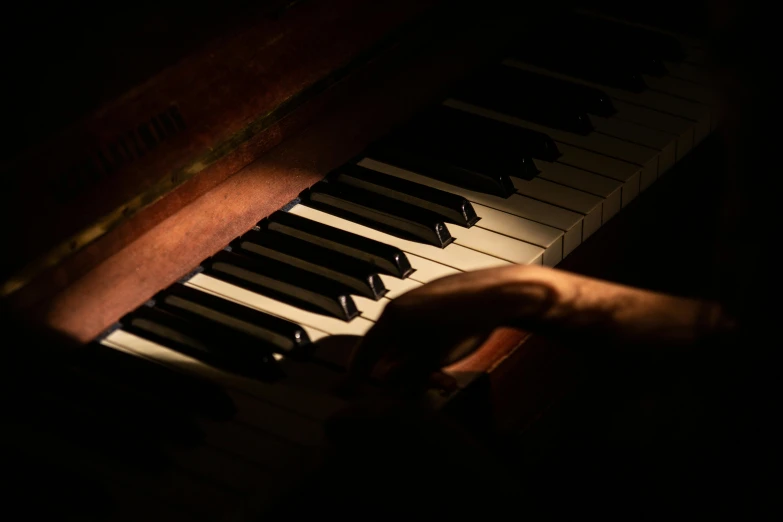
(521, 172)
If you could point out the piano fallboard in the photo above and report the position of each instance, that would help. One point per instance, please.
(351, 114)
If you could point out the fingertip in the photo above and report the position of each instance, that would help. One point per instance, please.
(444, 382)
(361, 361)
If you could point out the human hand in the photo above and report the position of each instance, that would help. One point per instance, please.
(426, 328)
(443, 321)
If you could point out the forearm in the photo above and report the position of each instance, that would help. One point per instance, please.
(561, 303)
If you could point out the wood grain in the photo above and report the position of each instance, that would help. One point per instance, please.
(360, 109)
(231, 95)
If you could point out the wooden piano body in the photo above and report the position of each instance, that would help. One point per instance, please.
(131, 196)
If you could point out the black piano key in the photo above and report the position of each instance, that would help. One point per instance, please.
(644, 47)
(615, 50)
(71, 495)
(453, 208)
(667, 47)
(488, 138)
(523, 91)
(161, 382)
(361, 278)
(386, 258)
(246, 327)
(127, 440)
(205, 342)
(106, 410)
(96, 392)
(575, 54)
(461, 171)
(109, 397)
(282, 281)
(460, 156)
(379, 212)
(539, 99)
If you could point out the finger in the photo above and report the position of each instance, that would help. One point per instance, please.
(464, 347)
(409, 377)
(443, 381)
(348, 385)
(375, 345)
(372, 358)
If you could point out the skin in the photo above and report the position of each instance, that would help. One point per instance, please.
(406, 347)
(421, 328)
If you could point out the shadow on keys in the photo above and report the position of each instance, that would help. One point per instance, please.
(83, 425)
(80, 433)
(68, 427)
(40, 481)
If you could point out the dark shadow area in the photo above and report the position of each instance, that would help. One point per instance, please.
(686, 438)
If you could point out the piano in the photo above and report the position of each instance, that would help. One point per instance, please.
(217, 220)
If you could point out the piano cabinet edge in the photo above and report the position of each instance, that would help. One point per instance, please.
(511, 381)
(208, 104)
(98, 285)
(127, 232)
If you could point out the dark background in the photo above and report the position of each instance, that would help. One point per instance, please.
(61, 60)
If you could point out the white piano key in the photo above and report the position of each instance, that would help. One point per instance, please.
(210, 462)
(303, 391)
(688, 71)
(675, 106)
(137, 494)
(589, 205)
(689, 91)
(680, 127)
(627, 173)
(651, 99)
(397, 286)
(568, 221)
(693, 69)
(280, 408)
(682, 88)
(663, 142)
(330, 325)
(183, 473)
(241, 435)
(369, 308)
(530, 209)
(259, 488)
(454, 255)
(550, 239)
(609, 146)
(559, 195)
(610, 190)
(498, 245)
(693, 47)
(313, 375)
(425, 271)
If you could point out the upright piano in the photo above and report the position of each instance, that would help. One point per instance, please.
(212, 206)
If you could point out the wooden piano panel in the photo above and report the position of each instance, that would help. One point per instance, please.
(90, 290)
(207, 116)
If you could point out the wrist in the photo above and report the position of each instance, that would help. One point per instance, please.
(550, 301)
